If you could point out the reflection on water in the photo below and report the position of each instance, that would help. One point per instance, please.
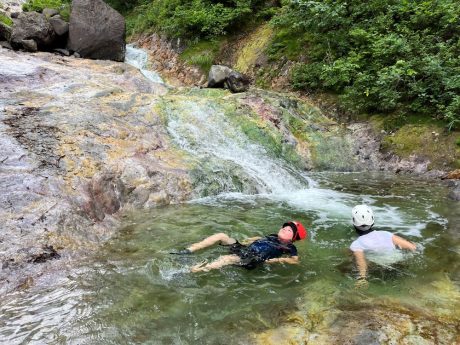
(135, 292)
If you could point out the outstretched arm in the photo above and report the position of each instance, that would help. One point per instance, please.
(290, 260)
(248, 241)
(360, 259)
(403, 244)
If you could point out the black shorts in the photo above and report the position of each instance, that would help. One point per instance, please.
(249, 260)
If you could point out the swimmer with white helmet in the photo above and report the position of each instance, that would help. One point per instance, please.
(372, 240)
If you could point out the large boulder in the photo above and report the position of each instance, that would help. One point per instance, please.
(96, 31)
(32, 26)
(237, 82)
(218, 75)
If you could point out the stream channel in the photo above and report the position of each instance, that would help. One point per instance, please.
(135, 292)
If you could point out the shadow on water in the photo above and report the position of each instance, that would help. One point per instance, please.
(135, 292)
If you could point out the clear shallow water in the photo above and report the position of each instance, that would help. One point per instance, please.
(135, 292)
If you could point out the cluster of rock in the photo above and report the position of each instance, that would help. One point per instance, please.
(224, 77)
(95, 31)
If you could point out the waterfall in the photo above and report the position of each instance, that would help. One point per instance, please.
(138, 58)
(203, 130)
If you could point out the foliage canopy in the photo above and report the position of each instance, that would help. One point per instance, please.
(381, 55)
(189, 19)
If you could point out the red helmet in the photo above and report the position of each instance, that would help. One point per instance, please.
(300, 233)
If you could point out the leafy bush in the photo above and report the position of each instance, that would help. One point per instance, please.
(193, 19)
(380, 55)
(123, 6)
(39, 5)
(201, 54)
(63, 6)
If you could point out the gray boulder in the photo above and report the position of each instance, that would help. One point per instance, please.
(5, 32)
(237, 82)
(50, 12)
(60, 27)
(32, 26)
(218, 75)
(30, 45)
(6, 45)
(96, 31)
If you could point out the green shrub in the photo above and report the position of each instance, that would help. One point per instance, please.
(201, 54)
(39, 5)
(380, 55)
(194, 19)
(63, 6)
(123, 6)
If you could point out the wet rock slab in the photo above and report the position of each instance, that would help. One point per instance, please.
(79, 142)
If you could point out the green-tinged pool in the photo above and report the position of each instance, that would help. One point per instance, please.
(136, 292)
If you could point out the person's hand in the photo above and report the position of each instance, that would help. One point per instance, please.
(361, 283)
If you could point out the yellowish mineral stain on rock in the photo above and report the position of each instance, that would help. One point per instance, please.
(253, 47)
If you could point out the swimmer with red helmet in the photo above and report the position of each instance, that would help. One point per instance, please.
(255, 251)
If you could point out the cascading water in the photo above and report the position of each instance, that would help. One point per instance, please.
(138, 58)
(205, 132)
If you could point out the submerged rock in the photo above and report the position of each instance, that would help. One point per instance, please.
(454, 194)
(329, 316)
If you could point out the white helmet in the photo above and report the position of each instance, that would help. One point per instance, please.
(363, 217)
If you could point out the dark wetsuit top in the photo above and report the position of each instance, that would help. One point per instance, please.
(261, 250)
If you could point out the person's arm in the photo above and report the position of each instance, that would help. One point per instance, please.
(290, 260)
(248, 241)
(403, 244)
(360, 259)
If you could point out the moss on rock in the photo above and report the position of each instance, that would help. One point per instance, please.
(254, 46)
(427, 141)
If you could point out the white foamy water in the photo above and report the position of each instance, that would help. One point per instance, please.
(138, 58)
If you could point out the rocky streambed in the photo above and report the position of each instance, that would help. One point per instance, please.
(85, 143)
(83, 140)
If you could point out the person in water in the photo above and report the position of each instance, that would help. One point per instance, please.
(255, 250)
(372, 240)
